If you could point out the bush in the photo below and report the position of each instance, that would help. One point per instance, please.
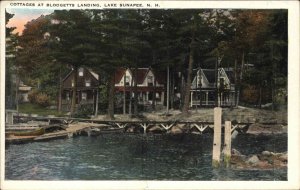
(84, 111)
(32, 96)
(39, 98)
(42, 100)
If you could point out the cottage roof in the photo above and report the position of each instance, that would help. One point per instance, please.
(119, 74)
(95, 75)
(230, 74)
(141, 74)
(210, 75)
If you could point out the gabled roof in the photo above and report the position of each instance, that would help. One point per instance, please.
(119, 74)
(210, 75)
(95, 75)
(230, 74)
(141, 74)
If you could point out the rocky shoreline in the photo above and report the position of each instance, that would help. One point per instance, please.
(265, 160)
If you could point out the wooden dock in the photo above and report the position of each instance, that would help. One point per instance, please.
(77, 126)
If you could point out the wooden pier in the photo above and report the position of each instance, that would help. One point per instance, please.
(77, 126)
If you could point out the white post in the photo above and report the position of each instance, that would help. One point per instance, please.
(217, 137)
(10, 117)
(227, 143)
(191, 99)
(97, 101)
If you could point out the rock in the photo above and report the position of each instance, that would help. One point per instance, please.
(253, 160)
(235, 152)
(176, 130)
(283, 158)
(156, 129)
(264, 129)
(266, 153)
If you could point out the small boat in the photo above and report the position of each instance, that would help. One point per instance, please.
(18, 139)
(34, 132)
(48, 137)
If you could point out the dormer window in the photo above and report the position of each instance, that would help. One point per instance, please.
(88, 82)
(150, 80)
(80, 72)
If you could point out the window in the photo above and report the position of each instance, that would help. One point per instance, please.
(88, 82)
(80, 72)
(83, 95)
(127, 79)
(68, 96)
(150, 80)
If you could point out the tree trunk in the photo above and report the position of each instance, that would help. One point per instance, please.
(236, 98)
(60, 92)
(188, 81)
(74, 90)
(124, 95)
(172, 90)
(260, 96)
(216, 84)
(168, 88)
(97, 102)
(154, 94)
(130, 98)
(111, 96)
(135, 105)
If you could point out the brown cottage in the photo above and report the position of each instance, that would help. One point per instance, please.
(87, 84)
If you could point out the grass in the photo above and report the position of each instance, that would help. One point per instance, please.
(29, 108)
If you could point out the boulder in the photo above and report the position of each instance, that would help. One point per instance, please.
(253, 160)
(283, 158)
(266, 153)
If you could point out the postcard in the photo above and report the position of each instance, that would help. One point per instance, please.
(149, 95)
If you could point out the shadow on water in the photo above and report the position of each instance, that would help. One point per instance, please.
(135, 157)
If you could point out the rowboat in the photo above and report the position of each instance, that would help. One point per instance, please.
(34, 132)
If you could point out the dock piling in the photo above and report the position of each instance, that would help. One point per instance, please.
(217, 137)
(227, 143)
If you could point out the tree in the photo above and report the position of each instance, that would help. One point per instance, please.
(11, 48)
(70, 41)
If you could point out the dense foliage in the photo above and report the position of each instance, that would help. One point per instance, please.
(253, 42)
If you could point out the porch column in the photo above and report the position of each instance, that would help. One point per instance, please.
(221, 101)
(206, 98)
(162, 98)
(147, 96)
(191, 99)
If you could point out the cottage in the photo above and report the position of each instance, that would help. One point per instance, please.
(87, 85)
(23, 92)
(150, 84)
(204, 87)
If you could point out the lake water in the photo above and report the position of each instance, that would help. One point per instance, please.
(135, 157)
